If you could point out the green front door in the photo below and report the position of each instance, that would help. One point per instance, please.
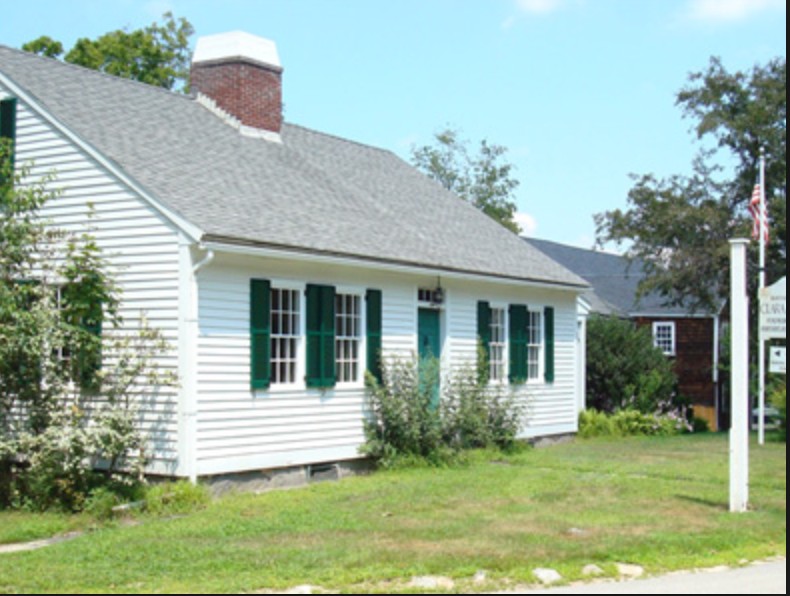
(429, 338)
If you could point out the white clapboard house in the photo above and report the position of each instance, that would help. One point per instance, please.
(279, 261)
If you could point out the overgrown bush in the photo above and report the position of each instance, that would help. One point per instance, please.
(625, 371)
(67, 427)
(411, 420)
(631, 423)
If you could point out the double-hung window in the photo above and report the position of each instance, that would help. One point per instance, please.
(498, 346)
(286, 333)
(534, 344)
(348, 337)
(664, 338)
(312, 335)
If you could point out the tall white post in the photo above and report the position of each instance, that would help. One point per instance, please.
(763, 284)
(739, 433)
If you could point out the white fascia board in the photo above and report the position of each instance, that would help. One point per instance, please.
(312, 257)
(193, 232)
(670, 317)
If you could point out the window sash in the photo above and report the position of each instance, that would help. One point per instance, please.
(498, 346)
(286, 334)
(348, 337)
(534, 344)
(664, 338)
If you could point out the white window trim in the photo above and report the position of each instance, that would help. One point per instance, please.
(540, 378)
(360, 293)
(504, 307)
(301, 351)
(670, 325)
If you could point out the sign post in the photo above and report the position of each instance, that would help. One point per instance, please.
(739, 433)
(779, 361)
(773, 325)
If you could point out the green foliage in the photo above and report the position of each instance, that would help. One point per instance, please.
(157, 55)
(406, 424)
(680, 227)
(179, 498)
(483, 180)
(63, 416)
(630, 423)
(44, 46)
(779, 400)
(625, 371)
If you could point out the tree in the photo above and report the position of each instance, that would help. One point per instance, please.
(625, 371)
(680, 226)
(61, 413)
(157, 55)
(483, 179)
(44, 46)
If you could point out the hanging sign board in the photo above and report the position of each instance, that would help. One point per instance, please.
(779, 361)
(773, 317)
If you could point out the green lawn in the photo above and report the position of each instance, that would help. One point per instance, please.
(659, 503)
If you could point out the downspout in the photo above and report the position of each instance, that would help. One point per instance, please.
(190, 335)
(206, 260)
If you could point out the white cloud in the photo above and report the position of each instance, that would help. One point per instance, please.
(728, 11)
(156, 8)
(527, 223)
(539, 6)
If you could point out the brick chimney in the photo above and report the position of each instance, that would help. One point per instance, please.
(242, 75)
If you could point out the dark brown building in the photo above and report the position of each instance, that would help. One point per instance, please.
(690, 339)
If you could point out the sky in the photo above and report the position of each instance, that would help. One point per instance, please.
(581, 92)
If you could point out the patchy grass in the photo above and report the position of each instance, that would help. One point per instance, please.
(659, 503)
(16, 527)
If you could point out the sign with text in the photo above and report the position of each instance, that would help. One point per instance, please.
(773, 317)
(779, 361)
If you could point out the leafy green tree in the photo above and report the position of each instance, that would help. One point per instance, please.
(61, 413)
(625, 371)
(44, 46)
(680, 226)
(157, 55)
(483, 180)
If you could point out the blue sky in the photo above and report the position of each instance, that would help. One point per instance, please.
(581, 92)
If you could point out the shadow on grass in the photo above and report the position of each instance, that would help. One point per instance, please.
(715, 505)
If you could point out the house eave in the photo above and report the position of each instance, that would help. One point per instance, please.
(192, 231)
(225, 244)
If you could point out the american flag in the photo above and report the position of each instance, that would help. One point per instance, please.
(755, 208)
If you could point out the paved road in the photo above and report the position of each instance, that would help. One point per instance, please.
(765, 578)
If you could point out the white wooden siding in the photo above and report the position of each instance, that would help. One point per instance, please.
(551, 408)
(142, 251)
(238, 429)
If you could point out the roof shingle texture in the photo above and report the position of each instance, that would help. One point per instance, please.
(313, 192)
(614, 279)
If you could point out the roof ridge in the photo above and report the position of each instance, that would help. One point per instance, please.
(90, 72)
(339, 138)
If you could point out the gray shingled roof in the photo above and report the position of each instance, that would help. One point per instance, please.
(313, 192)
(614, 280)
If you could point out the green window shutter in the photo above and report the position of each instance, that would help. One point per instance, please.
(519, 319)
(549, 334)
(90, 358)
(374, 334)
(320, 336)
(260, 333)
(8, 128)
(484, 337)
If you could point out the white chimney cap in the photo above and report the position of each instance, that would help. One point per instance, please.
(236, 44)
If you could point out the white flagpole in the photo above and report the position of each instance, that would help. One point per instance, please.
(763, 230)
